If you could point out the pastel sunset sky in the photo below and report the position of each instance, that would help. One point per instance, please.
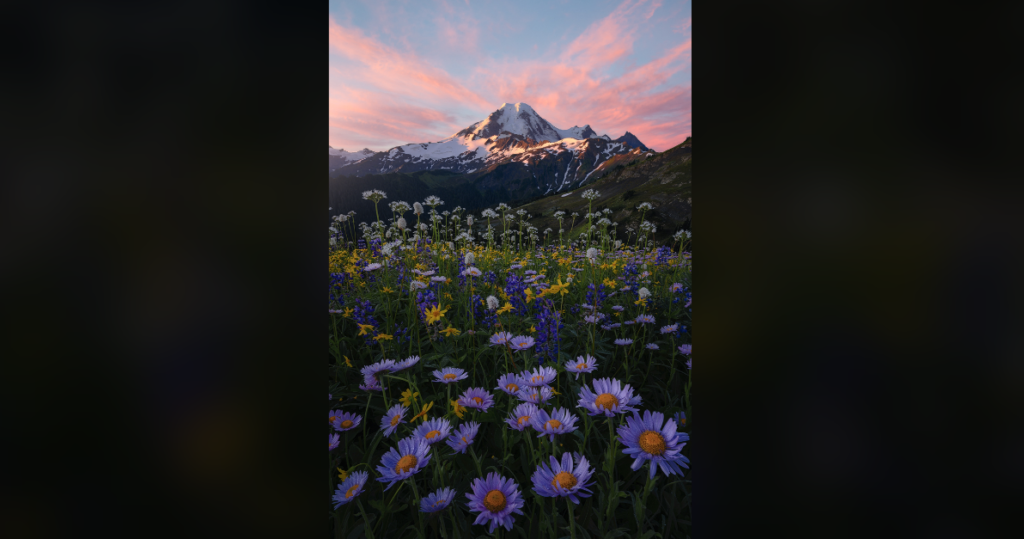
(421, 70)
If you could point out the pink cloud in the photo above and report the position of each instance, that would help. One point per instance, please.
(393, 97)
(401, 73)
(575, 88)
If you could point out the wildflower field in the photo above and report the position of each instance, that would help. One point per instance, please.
(486, 380)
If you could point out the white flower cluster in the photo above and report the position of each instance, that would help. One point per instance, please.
(591, 194)
(375, 195)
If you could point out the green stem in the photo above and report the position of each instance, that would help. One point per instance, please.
(366, 521)
(572, 520)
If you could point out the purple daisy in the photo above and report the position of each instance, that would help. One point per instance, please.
(461, 439)
(688, 366)
(560, 421)
(652, 438)
(591, 319)
(645, 319)
(510, 383)
(669, 329)
(609, 397)
(477, 398)
(372, 373)
(623, 342)
(437, 501)
(391, 420)
(618, 308)
(372, 386)
(651, 346)
(500, 338)
(521, 416)
(581, 365)
(680, 418)
(541, 376)
(520, 343)
(562, 479)
(345, 421)
(372, 267)
(449, 375)
(535, 395)
(685, 348)
(352, 487)
(405, 363)
(495, 498)
(629, 322)
(412, 455)
(433, 430)
(333, 441)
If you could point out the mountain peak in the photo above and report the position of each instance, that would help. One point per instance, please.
(517, 107)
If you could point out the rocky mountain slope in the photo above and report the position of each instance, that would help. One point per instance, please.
(664, 180)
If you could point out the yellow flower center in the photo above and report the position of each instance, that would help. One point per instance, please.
(346, 424)
(553, 424)
(607, 400)
(351, 491)
(564, 480)
(524, 419)
(464, 440)
(331, 419)
(395, 420)
(652, 442)
(512, 388)
(405, 464)
(581, 366)
(430, 435)
(449, 376)
(537, 378)
(494, 501)
(478, 400)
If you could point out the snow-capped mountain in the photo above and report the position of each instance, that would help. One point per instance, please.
(339, 158)
(514, 135)
(521, 119)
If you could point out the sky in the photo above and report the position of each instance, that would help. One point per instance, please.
(409, 71)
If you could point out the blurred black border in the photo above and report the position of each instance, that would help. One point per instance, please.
(857, 247)
(856, 242)
(162, 262)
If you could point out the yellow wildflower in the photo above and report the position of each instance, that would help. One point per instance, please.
(641, 301)
(609, 283)
(529, 296)
(450, 331)
(408, 396)
(447, 295)
(386, 290)
(383, 336)
(459, 409)
(508, 307)
(434, 314)
(348, 312)
(364, 329)
(533, 329)
(423, 413)
(343, 475)
(347, 361)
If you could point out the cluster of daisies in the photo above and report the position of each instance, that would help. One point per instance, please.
(647, 437)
